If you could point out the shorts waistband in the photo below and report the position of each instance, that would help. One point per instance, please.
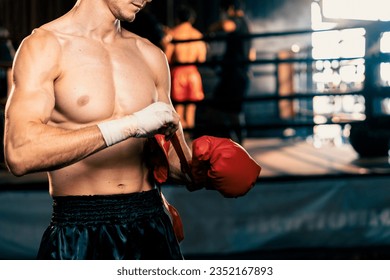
(120, 208)
(181, 67)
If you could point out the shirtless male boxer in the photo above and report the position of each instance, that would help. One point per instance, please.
(86, 96)
(88, 102)
(186, 79)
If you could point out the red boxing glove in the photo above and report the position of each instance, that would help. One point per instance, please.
(157, 157)
(223, 165)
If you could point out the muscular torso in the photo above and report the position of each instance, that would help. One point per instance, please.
(100, 81)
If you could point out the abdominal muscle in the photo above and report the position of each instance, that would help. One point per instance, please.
(118, 169)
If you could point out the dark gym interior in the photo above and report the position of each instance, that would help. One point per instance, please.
(317, 120)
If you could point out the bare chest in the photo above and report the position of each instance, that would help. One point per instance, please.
(101, 81)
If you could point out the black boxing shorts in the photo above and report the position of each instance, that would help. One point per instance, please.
(109, 227)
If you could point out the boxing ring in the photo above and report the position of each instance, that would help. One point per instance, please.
(307, 199)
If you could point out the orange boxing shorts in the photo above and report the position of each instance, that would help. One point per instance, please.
(186, 84)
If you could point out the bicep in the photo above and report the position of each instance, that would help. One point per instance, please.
(29, 106)
(163, 78)
(26, 111)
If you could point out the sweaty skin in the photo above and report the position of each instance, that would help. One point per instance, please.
(71, 74)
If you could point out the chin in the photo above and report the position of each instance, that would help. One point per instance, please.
(129, 17)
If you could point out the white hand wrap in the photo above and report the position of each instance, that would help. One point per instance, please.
(117, 130)
(144, 123)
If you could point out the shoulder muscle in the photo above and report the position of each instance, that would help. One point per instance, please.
(37, 57)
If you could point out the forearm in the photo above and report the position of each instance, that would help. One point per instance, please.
(32, 146)
(44, 147)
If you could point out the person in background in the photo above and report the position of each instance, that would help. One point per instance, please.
(186, 79)
(234, 75)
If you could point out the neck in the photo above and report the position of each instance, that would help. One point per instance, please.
(94, 19)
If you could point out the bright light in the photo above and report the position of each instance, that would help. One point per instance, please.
(334, 74)
(295, 48)
(357, 9)
(316, 18)
(350, 74)
(346, 43)
(385, 73)
(327, 134)
(385, 42)
(385, 67)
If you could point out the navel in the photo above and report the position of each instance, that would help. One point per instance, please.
(83, 100)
